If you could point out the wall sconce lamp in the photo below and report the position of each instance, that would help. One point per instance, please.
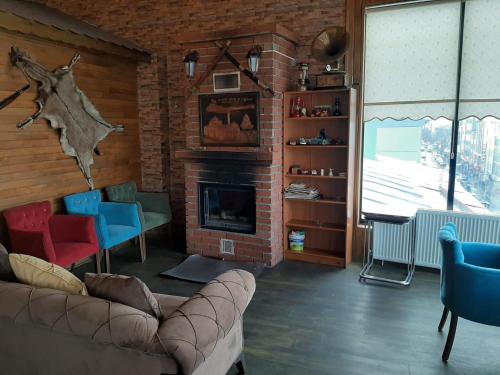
(190, 61)
(253, 57)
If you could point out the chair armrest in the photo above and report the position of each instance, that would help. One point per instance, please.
(73, 228)
(35, 243)
(120, 213)
(192, 331)
(155, 202)
(481, 254)
(476, 295)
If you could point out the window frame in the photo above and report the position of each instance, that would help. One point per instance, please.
(356, 12)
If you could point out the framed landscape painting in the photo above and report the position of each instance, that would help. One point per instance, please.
(229, 119)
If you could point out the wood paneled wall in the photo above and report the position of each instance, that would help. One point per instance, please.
(33, 166)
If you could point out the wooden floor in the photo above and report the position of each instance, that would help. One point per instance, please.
(316, 320)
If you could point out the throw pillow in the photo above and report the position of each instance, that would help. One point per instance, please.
(6, 273)
(37, 272)
(127, 290)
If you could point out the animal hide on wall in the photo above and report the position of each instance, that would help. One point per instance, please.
(65, 107)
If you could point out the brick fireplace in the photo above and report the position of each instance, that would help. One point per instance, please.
(235, 193)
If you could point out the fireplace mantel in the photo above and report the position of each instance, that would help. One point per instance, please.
(207, 156)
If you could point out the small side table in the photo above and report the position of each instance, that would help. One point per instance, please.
(368, 255)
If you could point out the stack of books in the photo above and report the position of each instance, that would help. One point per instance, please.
(301, 191)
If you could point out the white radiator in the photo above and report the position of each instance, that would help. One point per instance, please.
(390, 242)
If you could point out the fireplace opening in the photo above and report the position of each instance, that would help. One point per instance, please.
(227, 207)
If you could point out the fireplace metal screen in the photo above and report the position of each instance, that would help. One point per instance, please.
(227, 207)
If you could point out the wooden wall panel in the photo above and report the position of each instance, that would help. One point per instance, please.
(33, 166)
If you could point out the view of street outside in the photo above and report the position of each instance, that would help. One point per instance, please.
(406, 165)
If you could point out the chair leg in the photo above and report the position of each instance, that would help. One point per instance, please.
(98, 261)
(442, 322)
(241, 364)
(450, 338)
(108, 266)
(142, 246)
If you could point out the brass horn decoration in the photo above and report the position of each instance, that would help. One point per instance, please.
(329, 47)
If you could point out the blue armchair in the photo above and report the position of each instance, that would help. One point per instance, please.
(154, 208)
(470, 279)
(115, 222)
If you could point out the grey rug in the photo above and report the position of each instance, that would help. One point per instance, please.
(202, 269)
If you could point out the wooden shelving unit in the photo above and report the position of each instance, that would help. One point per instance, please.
(328, 222)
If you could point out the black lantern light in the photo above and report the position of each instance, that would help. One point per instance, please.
(253, 57)
(190, 63)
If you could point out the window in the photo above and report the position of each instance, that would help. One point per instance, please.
(431, 107)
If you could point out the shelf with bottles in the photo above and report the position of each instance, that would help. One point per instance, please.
(331, 105)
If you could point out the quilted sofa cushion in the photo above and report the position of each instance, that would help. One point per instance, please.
(37, 272)
(93, 318)
(128, 290)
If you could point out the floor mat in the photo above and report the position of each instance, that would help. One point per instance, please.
(202, 269)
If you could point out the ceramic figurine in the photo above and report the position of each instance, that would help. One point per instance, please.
(297, 105)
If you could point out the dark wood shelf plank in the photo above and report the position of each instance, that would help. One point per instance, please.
(317, 118)
(313, 92)
(319, 256)
(316, 201)
(340, 147)
(316, 176)
(309, 224)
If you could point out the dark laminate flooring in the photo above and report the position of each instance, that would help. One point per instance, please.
(317, 320)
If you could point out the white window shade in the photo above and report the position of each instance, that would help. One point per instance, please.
(411, 59)
(480, 80)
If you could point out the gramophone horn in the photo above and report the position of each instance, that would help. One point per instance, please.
(330, 45)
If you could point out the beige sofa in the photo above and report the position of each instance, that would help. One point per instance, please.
(46, 331)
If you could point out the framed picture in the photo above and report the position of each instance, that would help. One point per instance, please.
(226, 82)
(230, 119)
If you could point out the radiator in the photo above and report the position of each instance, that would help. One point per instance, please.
(390, 241)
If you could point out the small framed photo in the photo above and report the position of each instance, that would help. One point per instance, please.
(226, 82)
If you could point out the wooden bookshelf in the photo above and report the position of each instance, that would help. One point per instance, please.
(327, 222)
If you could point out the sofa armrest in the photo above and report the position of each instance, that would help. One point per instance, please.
(121, 213)
(155, 202)
(481, 254)
(34, 243)
(73, 228)
(192, 331)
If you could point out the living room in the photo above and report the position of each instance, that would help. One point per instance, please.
(266, 187)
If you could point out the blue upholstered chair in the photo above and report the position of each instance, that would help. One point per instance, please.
(470, 282)
(115, 222)
(154, 208)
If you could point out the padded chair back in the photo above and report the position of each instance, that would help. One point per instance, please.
(33, 216)
(83, 203)
(452, 253)
(122, 193)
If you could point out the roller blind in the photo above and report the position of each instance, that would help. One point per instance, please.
(411, 59)
(480, 80)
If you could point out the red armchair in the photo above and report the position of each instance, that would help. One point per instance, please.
(60, 239)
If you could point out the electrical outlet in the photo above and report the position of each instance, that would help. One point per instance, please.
(226, 246)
